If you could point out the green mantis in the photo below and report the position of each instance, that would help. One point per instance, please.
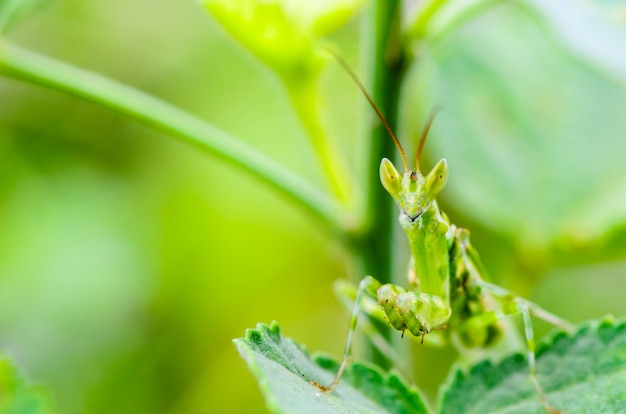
(448, 290)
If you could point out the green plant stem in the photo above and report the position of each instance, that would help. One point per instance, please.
(383, 60)
(36, 69)
(384, 63)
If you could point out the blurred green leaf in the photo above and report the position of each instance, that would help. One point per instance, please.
(18, 396)
(583, 373)
(328, 16)
(586, 33)
(266, 29)
(436, 18)
(283, 33)
(533, 140)
(285, 371)
(14, 11)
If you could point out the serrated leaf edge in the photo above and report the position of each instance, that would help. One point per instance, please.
(392, 379)
(461, 373)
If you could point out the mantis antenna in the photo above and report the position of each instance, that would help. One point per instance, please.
(429, 121)
(373, 104)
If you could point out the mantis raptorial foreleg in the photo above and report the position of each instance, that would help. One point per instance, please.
(405, 310)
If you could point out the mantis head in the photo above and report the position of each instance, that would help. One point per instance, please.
(412, 192)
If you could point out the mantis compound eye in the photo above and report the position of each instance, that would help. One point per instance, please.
(437, 178)
(390, 178)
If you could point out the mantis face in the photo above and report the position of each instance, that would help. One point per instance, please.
(412, 192)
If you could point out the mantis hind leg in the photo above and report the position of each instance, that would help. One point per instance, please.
(516, 306)
(369, 286)
(347, 292)
(511, 305)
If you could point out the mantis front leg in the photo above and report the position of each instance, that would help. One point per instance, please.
(416, 312)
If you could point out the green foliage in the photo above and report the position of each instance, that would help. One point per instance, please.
(283, 33)
(437, 18)
(533, 94)
(286, 36)
(532, 159)
(583, 372)
(13, 12)
(285, 373)
(18, 395)
(589, 31)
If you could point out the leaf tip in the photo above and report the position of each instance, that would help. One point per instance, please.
(254, 336)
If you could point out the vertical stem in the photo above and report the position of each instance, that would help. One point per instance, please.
(383, 61)
(385, 65)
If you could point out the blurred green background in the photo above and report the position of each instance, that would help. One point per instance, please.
(129, 261)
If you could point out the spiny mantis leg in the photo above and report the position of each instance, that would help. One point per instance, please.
(368, 285)
(347, 293)
(472, 262)
(533, 308)
(526, 308)
(517, 306)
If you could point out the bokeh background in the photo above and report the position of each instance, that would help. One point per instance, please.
(129, 261)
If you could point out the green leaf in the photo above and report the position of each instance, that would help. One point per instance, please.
(528, 134)
(14, 11)
(586, 33)
(283, 34)
(286, 36)
(284, 371)
(436, 18)
(582, 373)
(268, 31)
(18, 396)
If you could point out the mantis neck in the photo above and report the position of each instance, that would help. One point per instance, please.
(429, 248)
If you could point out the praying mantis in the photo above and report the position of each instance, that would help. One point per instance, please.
(448, 289)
